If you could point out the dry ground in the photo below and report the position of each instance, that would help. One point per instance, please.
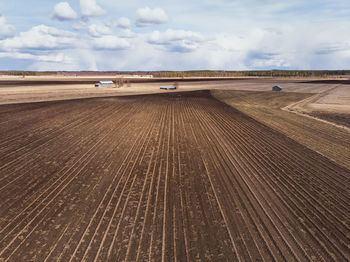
(332, 105)
(330, 102)
(162, 178)
(336, 100)
(20, 93)
(266, 107)
(342, 119)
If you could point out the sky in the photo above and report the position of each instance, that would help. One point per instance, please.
(132, 35)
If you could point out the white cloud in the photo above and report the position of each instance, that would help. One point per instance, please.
(148, 17)
(122, 22)
(40, 37)
(6, 30)
(63, 11)
(97, 30)
(87, 59)
(175, 35)
(127, 33)
(177, 40)
(219, 34)
(110, 42)
(94, 30)
(90, 8)
(81, 25)
(288, 47)
(59, 57)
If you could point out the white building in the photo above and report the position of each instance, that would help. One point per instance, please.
(105, 84)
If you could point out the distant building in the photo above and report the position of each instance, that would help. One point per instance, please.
(168, 87)
(105, 84)
(277, 88)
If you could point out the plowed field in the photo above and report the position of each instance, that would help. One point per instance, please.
(162, 178)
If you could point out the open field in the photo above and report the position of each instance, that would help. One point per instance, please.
(266, 107)
(23, 91)
(332, 105)
(177, 176)
(338, 118)
(336, 100)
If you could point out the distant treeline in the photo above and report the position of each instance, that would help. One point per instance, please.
(27, 73)
(201, 73)
(258, 73)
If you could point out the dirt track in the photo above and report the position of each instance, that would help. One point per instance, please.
(163, 177)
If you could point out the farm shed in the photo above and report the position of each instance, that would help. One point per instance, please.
(168, 87)
(105, 84)
(277, 88)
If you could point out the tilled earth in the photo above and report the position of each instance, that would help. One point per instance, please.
(338, 118)
(178, 176)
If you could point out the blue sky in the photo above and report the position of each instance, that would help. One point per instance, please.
(174, 35)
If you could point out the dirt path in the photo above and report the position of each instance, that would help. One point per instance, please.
(302, 108)
(169, 177)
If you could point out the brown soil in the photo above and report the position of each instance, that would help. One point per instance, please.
(60, 88)
(340, 119)
(161, 178)
(266, 107)
(333, 82)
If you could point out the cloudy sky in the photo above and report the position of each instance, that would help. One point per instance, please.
(174, 35)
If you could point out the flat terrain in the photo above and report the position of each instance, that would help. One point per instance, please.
(24, 91)
(266, 107)
(338, 118)
(177, 176)
(332, 105)
(336, 100)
